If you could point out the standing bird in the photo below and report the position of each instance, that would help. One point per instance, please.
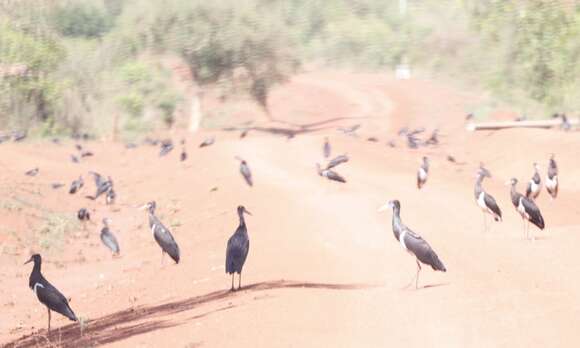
(166, 147)
(108, 238)
(83, 215)
(552, 178)
(535, 184)
(76, 185)
(74, 159)
(527, 209)
(47, 294)
(183, 155)
(422, 173)
(103, 186)
(329, 174)
(237, 249)
(111, 196)
(484, 200)
(162, 235)
(326, 148)
(245, 171)
(32, 172)
(412, 242)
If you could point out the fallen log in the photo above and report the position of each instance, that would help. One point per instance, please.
(520, 124)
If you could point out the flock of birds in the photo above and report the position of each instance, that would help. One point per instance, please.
(238, 245)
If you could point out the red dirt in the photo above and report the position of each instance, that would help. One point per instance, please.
(324, 268)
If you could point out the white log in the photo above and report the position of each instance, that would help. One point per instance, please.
(519, 124)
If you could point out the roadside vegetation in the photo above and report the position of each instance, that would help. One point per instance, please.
(74, 66)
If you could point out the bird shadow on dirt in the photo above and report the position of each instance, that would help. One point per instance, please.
(143, 319)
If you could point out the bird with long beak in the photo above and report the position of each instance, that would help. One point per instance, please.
(162, 235)
(535, 184)
(237, 248)
(108, 238)
(527, 209)
(412, 242)
(47, 294)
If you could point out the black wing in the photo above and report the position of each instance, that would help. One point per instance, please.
(491, 204)
(247, 174)
(164, 238)
(532, 210)
(110, 241)
(53, 299)
(422, 250)
(237, 252)
(332, 175)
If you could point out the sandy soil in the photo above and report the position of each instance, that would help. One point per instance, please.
(324, 268)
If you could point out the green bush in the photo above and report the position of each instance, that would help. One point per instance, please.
(82, 20)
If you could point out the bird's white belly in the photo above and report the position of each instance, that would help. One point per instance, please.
(402, 240)
(534, 187)
(481, 202)
(422, 174)
(522, 209)
(153, 228)
(552, 183)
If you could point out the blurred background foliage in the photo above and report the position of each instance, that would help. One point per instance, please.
(71, 66)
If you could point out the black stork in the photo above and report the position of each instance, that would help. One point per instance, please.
(207, 141)
(32, 172)
(422, 173)
(245, 171)
(552, 178)
(108, 238)
(535, 184)
(326, 148)
(103, 186)
(527, 209)
(412, 242)
(47, 294)
(76, 185)
(83, 215)
(237, 248)
(329, 174)
(337, 161)
(162, 235)
(484, 200)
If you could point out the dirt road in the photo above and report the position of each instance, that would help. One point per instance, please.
(324, 268)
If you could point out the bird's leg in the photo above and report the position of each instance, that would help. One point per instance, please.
(484, 223)
(48, 309)
(240, 281)
(417, 276)
(232, 289)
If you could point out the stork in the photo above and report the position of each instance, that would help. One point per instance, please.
(484, 200)
(422, 173)
(552, 178)
(412, 242)
(527, 209)
(535, 184)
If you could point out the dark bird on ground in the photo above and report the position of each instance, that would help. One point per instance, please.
(412, 141)
(83, 214)
(237, 249)
(373, 139)
(56, 185)
(451, 159)
(207, 141)
(76, 185)
(412, 242)
(527, 209)
(469, 116)
(535, 184)
(108, 238)
(326, 148)
(183, 155)
(87, 154)
(422, 173)
(47, 294)
(74, 159)
(78, 147)
(552, 178)
(349, 130)
(166, 147)
(244, 133)
(336, 161)
(434, 138)
(103, 186)
(329, 174)
(111, 196)
(245, 171)
(162, 235)
(32, 172)
(484, 200)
